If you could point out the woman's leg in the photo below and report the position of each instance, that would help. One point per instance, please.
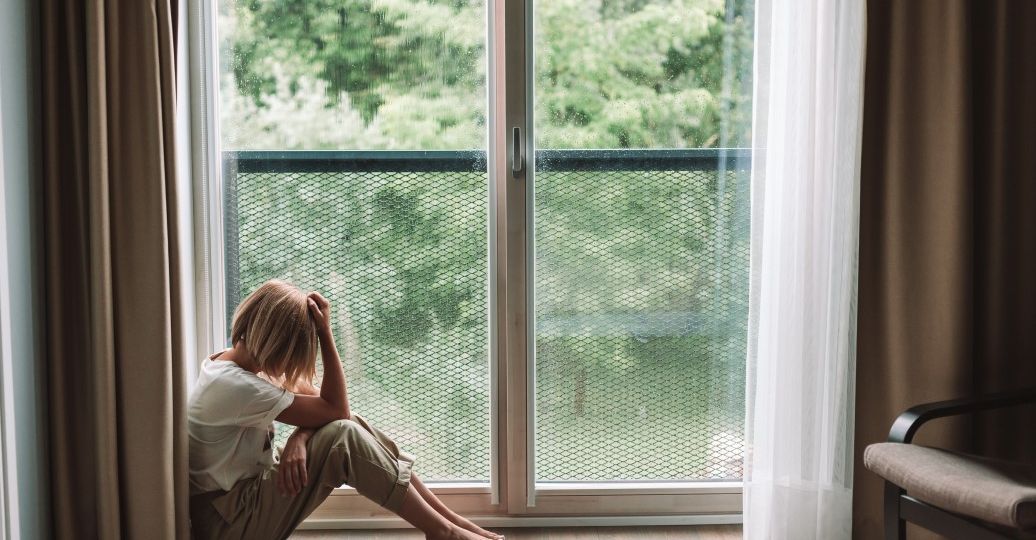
(340, 452)
(415, 484)
(446, 512)
(368, 460)
(417, 512)
(426, 494)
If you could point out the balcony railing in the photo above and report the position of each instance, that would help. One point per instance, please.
(641, 276)
(717, 161)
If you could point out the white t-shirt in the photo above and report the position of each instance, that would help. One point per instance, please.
(230, 417)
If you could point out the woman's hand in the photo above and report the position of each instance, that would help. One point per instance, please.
(291, 474)
(320, 308)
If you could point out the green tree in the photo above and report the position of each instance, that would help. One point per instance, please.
(609, 73)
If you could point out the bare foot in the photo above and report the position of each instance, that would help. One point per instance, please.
(455, 533)
(467, 524)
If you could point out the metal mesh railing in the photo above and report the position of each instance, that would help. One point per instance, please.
(641, 291)
(641, 301)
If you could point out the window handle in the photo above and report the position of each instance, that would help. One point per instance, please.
(517, 163)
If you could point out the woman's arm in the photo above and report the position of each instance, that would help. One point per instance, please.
(332, 403)
(292, 475)
(304, 388)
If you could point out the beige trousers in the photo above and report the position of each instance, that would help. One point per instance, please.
(343, 452)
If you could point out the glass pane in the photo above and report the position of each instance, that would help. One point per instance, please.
(641, 238)
(394, 235)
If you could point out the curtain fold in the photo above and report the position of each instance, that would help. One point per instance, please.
(947, 257)
(805, 174)
(115, 358)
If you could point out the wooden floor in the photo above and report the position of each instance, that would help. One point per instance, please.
(702, 532)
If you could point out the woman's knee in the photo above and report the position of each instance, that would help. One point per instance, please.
(339, 426)
(337, 431)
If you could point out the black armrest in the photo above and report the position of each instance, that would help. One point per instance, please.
(907, 424)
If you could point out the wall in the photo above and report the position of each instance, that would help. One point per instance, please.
(20, 223)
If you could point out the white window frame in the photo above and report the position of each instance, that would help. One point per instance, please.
(9, 522)
(207, 189)
(512, 497)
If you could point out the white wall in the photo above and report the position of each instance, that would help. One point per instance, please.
(19, 221)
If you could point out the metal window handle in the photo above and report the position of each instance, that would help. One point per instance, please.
(517, 163)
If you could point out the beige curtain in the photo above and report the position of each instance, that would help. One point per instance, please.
(115, 362)
(947, 290)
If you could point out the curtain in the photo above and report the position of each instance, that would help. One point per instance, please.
(947, 258)
(805, 178)
(114, 353)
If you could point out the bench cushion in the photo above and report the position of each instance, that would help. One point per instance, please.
(991, 490)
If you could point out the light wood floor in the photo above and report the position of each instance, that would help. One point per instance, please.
(703, 532)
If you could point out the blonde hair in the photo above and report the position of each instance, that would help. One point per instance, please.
(278, 331)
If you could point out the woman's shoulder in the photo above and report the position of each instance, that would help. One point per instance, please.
(226, 373)
(225, 390)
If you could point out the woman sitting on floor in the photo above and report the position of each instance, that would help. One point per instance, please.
(238, 488)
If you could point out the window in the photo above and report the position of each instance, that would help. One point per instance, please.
(534, 236)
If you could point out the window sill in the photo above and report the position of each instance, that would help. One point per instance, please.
(525, 521)
(606, 503)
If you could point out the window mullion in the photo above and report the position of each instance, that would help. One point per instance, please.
(510, 104)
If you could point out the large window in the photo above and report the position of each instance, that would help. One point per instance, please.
(531, 219)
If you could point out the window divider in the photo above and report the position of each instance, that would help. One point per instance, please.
(511, 104)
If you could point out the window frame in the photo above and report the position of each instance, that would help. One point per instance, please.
(206, 179)
(512, 497)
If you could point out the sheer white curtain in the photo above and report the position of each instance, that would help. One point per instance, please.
(802, 317)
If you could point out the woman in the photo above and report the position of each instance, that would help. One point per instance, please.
(238, 489)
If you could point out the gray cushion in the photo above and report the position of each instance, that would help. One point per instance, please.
(990, 490)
